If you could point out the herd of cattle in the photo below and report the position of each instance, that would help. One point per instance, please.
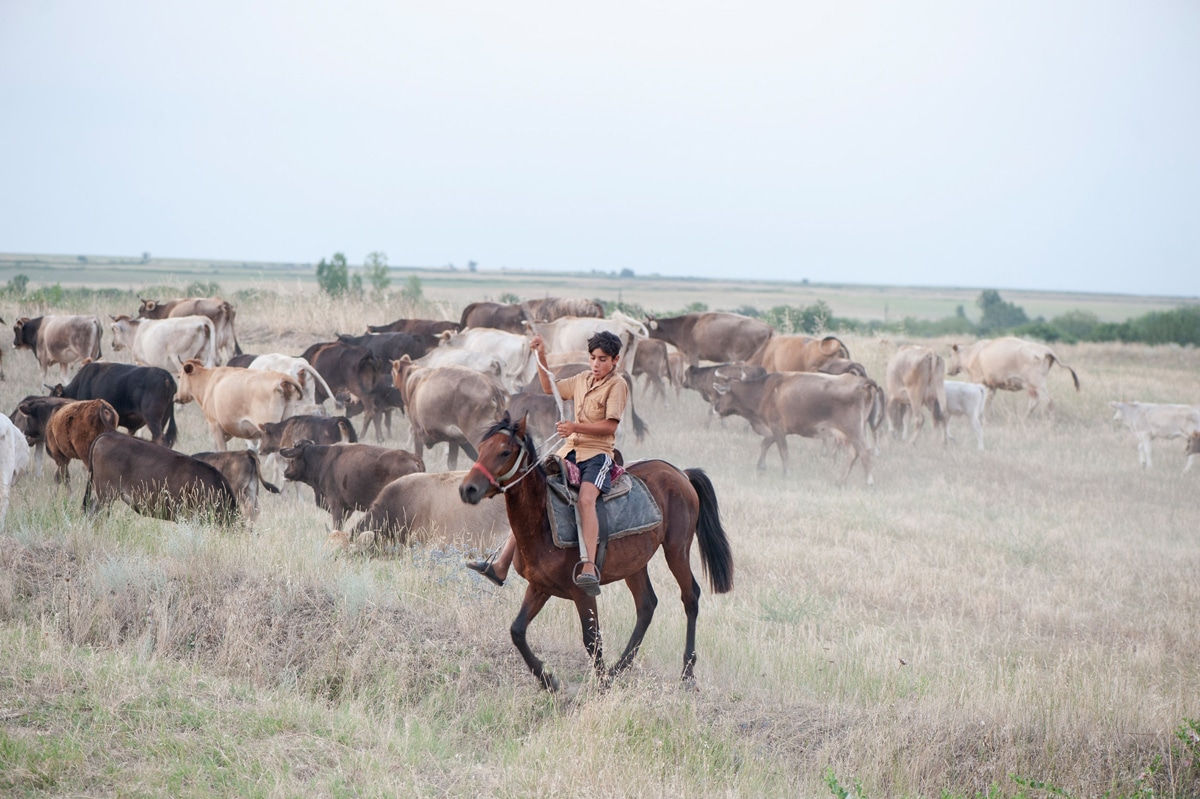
(451, 380)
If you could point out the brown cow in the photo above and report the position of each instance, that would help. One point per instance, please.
(156, 481)
(244, 473)
(347, 477)
(236, 401)
(496, 315)
(704, 379)
(62, 340)
(218, 310)
(1008, 364)
(426, 508)
(355, 372)
(711, 335)
(428, 327)
(32, 416)
(72, 429)
(448, 403)
(653, 363)
(798, 353)
(317, 429)
(916, 378)
(808, 404)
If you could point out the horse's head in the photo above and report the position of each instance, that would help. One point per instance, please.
(504, 451)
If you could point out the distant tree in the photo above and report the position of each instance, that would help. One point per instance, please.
(510, 298)
(472, 266)
(627, 272)
(18, 284)
(333, 276)
(998, 315)
(82, 259)
(412, 291)
(376, 270)
(146, 257)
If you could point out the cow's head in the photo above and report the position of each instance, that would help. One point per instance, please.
(56, 390)
(1124, 410)
(191, 371)
(124, 329)
(271, 438)
(651, 322)
(296, 468)
(19, 338)
(954, 361)
(147, 307)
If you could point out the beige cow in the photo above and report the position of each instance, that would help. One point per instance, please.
(1008, 364)
(236, 401)
(915, 381)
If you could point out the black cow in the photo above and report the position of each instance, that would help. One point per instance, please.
(143, 396)
(32, 417)
(391, 346)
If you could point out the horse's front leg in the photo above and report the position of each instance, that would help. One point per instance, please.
(533, 603)
(645, 602)
(589, 620)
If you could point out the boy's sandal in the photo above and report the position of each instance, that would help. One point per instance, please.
(589, 583)
(484, 567)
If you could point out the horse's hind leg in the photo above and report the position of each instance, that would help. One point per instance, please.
(530, 607)
(645, 602)
(689, 591)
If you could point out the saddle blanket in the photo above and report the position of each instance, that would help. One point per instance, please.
(627, 509)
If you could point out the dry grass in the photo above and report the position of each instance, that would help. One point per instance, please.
(1024, 611)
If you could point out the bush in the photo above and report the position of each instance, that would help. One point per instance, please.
(334, 276)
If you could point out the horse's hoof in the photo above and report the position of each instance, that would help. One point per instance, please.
(551, 683)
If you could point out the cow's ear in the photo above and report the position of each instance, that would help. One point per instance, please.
(150, 305)
(189, 367)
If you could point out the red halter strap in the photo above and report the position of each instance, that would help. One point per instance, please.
(483, 470)
(495, 482)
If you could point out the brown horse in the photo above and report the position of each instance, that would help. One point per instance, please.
(688, 504)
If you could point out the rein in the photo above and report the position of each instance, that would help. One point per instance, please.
(503, 487)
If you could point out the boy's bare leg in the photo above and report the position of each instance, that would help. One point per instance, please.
(589, 525)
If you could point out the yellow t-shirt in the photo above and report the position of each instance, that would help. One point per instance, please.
(595, 401)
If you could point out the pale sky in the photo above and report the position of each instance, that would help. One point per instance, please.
(1016, 144)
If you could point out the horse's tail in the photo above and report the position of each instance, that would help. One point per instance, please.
(716, 557)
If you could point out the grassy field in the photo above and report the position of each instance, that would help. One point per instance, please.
(975, 624)
(457, 287)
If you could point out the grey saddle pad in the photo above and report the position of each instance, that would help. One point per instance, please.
(627, 509)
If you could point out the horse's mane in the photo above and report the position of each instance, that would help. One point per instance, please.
(506, 425)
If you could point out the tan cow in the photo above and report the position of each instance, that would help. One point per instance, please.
(62, 340)
(236, 401)
(72, 429)
(450, 403)
(809, 404)
(218, 310)
(166, 343)
(1008, 364)
(798, 353)
(711, 335)
(551, 308)
(916, 380)
(426, 508)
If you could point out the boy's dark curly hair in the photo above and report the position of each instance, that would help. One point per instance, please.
(605, 341)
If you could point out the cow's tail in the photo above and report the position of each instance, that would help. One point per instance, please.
(462, 322)
(171, 434)
(716, 556)
(257, 466)
(937, 377)
(229, 314)
(210, 333)
(1052, 359)
(347, 430)
(96, 353)
(320, 381)
(876, 404)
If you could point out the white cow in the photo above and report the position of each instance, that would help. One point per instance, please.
(967, 399)
(452, 356)
(166, 343)
(14, 459)
(571, 334)
(304, 374)
(511, 349)
(1149, 420)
